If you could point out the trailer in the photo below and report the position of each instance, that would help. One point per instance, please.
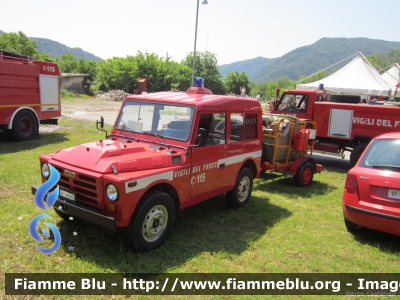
(288, 144)
(29, 95)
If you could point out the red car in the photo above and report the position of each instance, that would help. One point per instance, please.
(371, 195)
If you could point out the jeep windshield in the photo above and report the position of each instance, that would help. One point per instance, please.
(161, 120)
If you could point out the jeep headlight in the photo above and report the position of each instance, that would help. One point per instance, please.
(45, 170)
(112, 192)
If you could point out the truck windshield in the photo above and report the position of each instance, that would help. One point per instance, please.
(163, 120)
(292, 102)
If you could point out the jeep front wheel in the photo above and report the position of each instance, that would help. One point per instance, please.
(152, 222)
(241, 192)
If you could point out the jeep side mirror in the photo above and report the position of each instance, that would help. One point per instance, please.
(201, 139)
(101, 122)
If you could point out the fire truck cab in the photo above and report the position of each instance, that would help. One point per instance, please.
(166, 151)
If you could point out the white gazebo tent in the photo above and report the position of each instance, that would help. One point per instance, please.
(392, 77)
(357, 77)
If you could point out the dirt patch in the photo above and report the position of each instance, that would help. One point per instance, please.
(92, 109)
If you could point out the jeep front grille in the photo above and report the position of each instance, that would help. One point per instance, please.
(85, 187)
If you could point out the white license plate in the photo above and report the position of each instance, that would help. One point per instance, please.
(394, 194)
(67, 195)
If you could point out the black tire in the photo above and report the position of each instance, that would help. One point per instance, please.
(304, 175)
(25, 126)
(350, 226)
(344, 98)
(356, 153)
(152, 222)
(241, 192)
(62, 215)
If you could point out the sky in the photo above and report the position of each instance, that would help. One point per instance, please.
(231, 29)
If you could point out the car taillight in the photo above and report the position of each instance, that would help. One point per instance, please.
(351, 184)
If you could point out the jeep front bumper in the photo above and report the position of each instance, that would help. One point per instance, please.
(75, 210)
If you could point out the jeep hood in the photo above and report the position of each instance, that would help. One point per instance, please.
(104, 156)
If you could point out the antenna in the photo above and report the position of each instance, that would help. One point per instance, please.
(207, 40)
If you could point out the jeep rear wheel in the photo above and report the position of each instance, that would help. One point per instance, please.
(152, 222)
(241, 192)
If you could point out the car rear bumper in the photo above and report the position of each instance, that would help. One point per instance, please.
(80, 212)
(381, 221)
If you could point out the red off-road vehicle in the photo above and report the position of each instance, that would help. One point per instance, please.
(166, 151)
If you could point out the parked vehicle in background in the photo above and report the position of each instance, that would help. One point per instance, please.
(344, 123)
(29, 95)
(371, 195)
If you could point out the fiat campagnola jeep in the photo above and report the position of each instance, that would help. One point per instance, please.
(166, 151)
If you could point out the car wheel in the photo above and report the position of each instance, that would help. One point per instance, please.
(241, 192)
(151, 222)
(356, 153)
(305, 175)
(351, 227)
(25, 126)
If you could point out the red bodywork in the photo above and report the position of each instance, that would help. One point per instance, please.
(341, 126)
(27, 84)
(189, 174)
(371, 196)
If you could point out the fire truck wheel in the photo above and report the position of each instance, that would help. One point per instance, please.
(305, 175)
(25, 126)
(241, 192)
(356, 153)
(62, 215)
(152, 222)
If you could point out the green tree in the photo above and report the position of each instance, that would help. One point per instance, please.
(206, 66)
(383, 60)
(86, 66)
(150, 66)
(44, 56)
(175, 75)
(19, 43)
(117, 73)
(67, 63)
(234, 81)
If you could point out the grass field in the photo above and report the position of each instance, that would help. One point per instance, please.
(282, 229)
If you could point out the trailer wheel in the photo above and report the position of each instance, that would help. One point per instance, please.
(241, 192)
(305, 175)
(25, 126)
(356, 153)
(152, 222)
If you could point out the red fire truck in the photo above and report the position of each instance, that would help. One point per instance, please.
(29, 94)
(344, 124)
